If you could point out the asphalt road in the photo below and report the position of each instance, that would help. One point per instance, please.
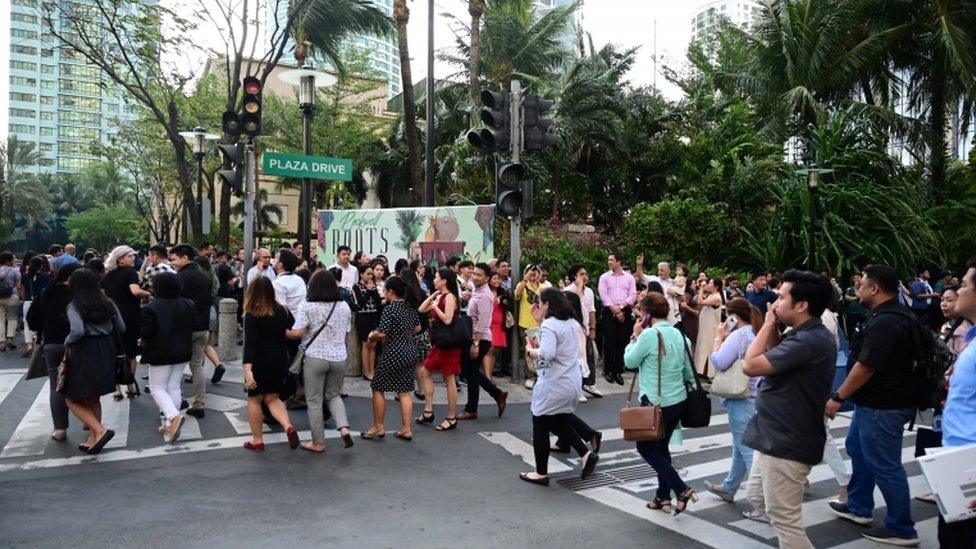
(449, 489)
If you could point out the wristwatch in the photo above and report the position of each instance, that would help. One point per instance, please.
(836, 398)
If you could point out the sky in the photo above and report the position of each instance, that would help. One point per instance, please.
(626, 23)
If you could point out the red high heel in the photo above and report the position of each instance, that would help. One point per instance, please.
(254, 446)
(292, 437)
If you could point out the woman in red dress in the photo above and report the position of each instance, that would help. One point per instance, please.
(443, 307)
(499, 339)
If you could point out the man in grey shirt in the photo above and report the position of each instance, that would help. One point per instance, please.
(788, 432)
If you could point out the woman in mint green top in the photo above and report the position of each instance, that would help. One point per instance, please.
(676, 368)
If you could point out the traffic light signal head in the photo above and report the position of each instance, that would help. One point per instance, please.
(537, 128)
(495, 114)
(233, 154)
(251, 117)
(231, 123)
(508, 189)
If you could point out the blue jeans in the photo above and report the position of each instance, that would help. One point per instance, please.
(740, 411)
(874, 443)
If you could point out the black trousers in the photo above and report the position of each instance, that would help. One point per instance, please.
(616, 335)
(591, 364)
(582, 429)
(561, 426)
(475, 375)
(957, 535)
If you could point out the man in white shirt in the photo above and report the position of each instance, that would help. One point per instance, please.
(577, 273)
(671, 292)
(289, 288)
(350, 272)
(262, 266)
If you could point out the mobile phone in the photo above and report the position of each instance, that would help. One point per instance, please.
(645, 320)
(730, 324)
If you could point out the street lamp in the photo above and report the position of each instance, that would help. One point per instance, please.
(307, 80)
(813, 182)
(197, 140)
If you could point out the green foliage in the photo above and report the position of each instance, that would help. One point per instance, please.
(562, 249)
(107, 226)
(689, 230)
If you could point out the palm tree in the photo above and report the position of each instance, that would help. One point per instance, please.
(476, 8)
(401, 14)
(263, 212)
(320, 26)
(21, 191)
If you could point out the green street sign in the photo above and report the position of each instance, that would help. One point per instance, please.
(312, 167)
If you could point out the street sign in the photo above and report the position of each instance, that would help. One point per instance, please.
(312, 167)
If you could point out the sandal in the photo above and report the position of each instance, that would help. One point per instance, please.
(407, 436)
(452, 424)
(756, 515)
(659, 505)
(310, 446)
(425, 418)
(118, 395)
(370, 434)
(682, 500)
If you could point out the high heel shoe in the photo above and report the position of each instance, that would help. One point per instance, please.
(657, 504)
(589, 464)
(683, 498)
(425, 418)
(133, 393)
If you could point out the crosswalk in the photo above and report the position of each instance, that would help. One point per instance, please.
(28, 444)
(624, 482)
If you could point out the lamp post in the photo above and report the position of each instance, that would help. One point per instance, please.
(197, 140)
(307, 80)
(813, 183)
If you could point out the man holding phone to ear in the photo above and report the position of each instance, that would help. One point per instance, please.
(618, 292)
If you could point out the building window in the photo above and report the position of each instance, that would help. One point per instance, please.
(73, 132)
(47, 100)
(23, 33)
(79, 117)
(23, 113)
(23, 50)
(23, 18)
(79, 70)
(27, 97)
(47, 132)
(73, 164)
(47, 69)
(47, 116)
(47, 52)
(26, 3)
(45, 147)
(22, 128)
(49, 85)
(89, 103)
(23, 65)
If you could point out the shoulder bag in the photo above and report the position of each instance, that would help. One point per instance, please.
(698, 407)
(644, 423)
(38, 366)
(299, 361)
(456, 335)
(123, 370)
(732, 383)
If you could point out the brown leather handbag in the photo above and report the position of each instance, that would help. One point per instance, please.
(643, 423)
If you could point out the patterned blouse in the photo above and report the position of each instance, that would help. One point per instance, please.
(367, 299)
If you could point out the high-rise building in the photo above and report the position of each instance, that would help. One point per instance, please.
(56, 99)
(568, 36)
(741, 13)
(383, 53)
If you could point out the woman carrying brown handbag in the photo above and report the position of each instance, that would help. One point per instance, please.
(666, 390)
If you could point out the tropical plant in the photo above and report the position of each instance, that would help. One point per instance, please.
(107, 226)
(401, 14)
(410, 223)
(24, 199)
(263, 210)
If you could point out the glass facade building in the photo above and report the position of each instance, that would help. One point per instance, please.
(56, 99)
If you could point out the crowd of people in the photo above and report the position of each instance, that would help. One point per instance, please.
(768, 348)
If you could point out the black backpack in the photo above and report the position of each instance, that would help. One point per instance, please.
(932, 359)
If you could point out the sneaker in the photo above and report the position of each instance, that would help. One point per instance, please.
(173, 430)
(841, 510)
(880, 535)
(582, 398)
(592, 391)
(529, 384)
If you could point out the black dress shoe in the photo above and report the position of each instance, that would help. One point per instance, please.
(619, 379)
(218, 373)
(543, 481)
(196, 412)
(609, 378)
(590, 465)
(184, 404)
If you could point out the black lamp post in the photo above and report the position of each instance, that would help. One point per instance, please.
(813, 183)
(197, 139)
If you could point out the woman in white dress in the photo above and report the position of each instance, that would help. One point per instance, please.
(711, 305)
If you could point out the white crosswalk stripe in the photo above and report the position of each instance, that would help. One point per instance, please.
(623, 481)
(9, 380)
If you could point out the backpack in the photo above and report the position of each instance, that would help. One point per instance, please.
(6, 289)
(931, 360)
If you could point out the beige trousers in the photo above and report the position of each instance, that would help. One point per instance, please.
(776, 487)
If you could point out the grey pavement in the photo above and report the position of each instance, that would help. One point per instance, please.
(449, 489)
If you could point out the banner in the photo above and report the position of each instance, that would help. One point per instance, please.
(431, 234)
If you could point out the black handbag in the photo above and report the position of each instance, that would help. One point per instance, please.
(456, 335)
(698, 406)
(123, 372)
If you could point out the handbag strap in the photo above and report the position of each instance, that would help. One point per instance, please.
(660, 365)
(322, 327)
(692, 359)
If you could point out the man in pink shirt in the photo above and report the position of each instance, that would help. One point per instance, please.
(480, 308)
(618, 293)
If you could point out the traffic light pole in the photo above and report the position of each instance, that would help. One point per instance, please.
(515, 254)
(249, 168)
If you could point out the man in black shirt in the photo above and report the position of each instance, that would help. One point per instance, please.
(880, 384)
(197, 287)
(787, 432)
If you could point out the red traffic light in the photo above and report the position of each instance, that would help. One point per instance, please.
(252, 85)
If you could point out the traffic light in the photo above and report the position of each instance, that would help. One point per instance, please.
(537, 130)
(251, 117)
(233, 154)
(508, 189)
(231, 123)
(495, 114)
